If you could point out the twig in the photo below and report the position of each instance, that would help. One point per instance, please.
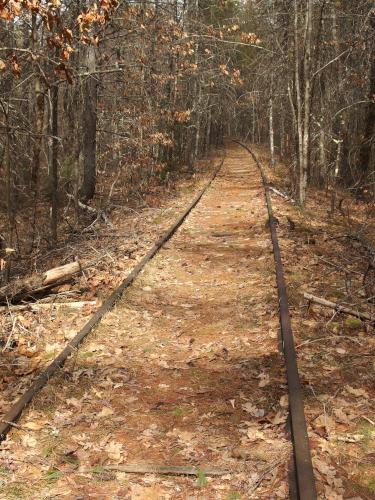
(259, 481)
(17, 426)
(331, 318)
(330, 337)
(368, 420)
(113, 186)
(14, 319)
(341, 268)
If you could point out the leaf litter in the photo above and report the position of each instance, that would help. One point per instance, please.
(186, 373)
(335, 352)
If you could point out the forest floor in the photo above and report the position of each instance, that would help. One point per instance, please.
(186, 369)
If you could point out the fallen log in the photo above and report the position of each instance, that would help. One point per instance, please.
(338, 308)
(36, 286)
(48, 305)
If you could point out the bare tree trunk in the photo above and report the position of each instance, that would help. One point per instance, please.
(38, 110)
(54, 162)
(322, 151)
(197, 90)
(297, 83)
(369, 128)
(335, 176)
(304, 168)
(89, 116)
(198, 122)
(303, 81)
(253, 122)
(9, 196)
(208, 130)
(282, 137)
(272, 132)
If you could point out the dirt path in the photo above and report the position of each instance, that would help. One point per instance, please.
(184, 371)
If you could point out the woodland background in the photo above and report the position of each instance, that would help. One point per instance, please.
(100, 101)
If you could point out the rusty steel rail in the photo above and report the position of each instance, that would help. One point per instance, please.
(302, 469)
(8, 420)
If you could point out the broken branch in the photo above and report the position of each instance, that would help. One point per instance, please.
(282, 195)
(49, 305)
(337, 307)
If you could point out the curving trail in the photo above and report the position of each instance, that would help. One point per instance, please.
(184, 371)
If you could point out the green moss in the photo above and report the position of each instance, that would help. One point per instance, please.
(294, 297)
(368, 432)
(296, 278)
(16, 491)
(159, 219)
(47, 451)
(178, 412)
(371, 485)
(234, 495)
(181, 412)
(4, 472)
(176, 451)
(52, 475)
(352, 323)
(87, 354)
(336, 294)
(333, 327)
(202, 480)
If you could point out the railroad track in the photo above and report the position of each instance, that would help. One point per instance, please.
(302, 482)
(301, 476)
(8, 420)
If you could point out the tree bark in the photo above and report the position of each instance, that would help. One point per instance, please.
(304, 168)
(38, 111)
(303, 85)
(54, 162)
(297, 84)
(89, 119)
(369, 127)
(36, 286)
(272, 132)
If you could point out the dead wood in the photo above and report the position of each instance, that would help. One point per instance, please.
(341, 268)
(338, 307)
(281, 194)
(172, 470)
(98, 214)
(48, 305)
(39, 285)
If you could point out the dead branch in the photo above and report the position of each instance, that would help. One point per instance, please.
(338, 307)
(99, 214)
(48, 305)
(341, 268)
(282, 195)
